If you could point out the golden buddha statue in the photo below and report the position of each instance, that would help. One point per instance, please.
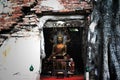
(59, 49)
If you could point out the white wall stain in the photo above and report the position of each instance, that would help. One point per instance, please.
(20, 54)
(55, 4)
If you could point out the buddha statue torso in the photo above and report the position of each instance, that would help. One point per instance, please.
(59, 49)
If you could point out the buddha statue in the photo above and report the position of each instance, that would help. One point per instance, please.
(59, 49)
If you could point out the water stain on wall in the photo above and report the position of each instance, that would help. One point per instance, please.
(6, 51)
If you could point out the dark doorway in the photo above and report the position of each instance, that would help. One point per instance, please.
(74, 47)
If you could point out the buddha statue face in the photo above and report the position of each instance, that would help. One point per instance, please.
(60, 39)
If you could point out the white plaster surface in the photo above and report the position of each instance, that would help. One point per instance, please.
(17, 54)
(55, 4)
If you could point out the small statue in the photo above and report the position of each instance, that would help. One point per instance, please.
(59, 49)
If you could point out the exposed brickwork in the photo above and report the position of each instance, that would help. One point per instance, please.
(15, 17)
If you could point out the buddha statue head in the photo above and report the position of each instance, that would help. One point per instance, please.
(60, 38)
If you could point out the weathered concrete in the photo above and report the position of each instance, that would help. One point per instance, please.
(18, 53)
